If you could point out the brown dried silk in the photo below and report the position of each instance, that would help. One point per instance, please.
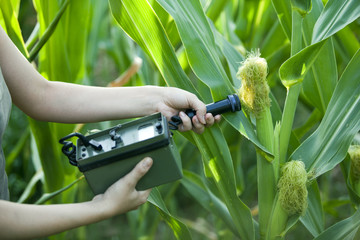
(5, 108)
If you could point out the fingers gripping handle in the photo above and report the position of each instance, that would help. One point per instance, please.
(230, 104)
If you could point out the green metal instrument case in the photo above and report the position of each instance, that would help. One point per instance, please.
(123, 146)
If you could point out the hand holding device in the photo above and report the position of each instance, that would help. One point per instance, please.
(231, 103)
(108, 155)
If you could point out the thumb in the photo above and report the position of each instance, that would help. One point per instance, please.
(139, 170)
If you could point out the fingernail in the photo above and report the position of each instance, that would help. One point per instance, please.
(196, 120)
(203, 120)
(147, 163)
(182, 114)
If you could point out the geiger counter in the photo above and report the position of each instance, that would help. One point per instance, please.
(106, 156)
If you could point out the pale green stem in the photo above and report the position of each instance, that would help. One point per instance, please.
(48, 32)
(47, 196)
(278, 219)
(276, 161)
(277, 223)
(292, 92)
(30, 42)
(287, 120)
(265, 129)
(265, 169)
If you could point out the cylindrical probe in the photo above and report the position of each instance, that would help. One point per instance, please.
(230, 104)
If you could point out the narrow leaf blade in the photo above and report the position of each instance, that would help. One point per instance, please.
(345, 229)
(295, 68)
(12, 25)
(314, 219)
(328, 145)
(180, 229)
(336, 15)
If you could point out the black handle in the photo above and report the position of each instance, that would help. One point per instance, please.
(69, 149)
(231, 103)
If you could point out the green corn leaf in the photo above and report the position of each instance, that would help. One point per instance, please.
(2, 22)
(215, 8)
(283, 10)
(12, 25)
(33, 38)
(343, 230)
(180, 229)
(349, 42)
(295, 68)
(48, 32)
(301, 6)
(75, 29)
(16, 5)
(313, 119)
(227, 26)
(274, 46)
(217, 159)
(199, 43)
(163, 15)
(231, 54)
(335, 16)
(314, 219)
(18, 148)
(139, 21)
(290, 224)
(198, 190)
(60, 59)
(237, 120)
(99, 9)
(52, 56)
(39, 175)
(49, 153)
(320, 83)
(48, 196)
(148, 32)
(328, 145)
(262, 22)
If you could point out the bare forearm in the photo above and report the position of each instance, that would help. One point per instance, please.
(70, 103)
(63, 102)
(22, 221)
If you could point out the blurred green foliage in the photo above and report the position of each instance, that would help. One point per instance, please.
(102, 51)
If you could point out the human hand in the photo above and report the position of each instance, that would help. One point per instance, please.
(122, 196)
(175, 101)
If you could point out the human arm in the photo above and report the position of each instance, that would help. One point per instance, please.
(26, 221)
(70, 103)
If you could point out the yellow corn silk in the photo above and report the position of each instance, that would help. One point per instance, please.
(292, 188)
(254, 91)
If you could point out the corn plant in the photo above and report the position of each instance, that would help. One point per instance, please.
(208, 55)
(279, 56)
